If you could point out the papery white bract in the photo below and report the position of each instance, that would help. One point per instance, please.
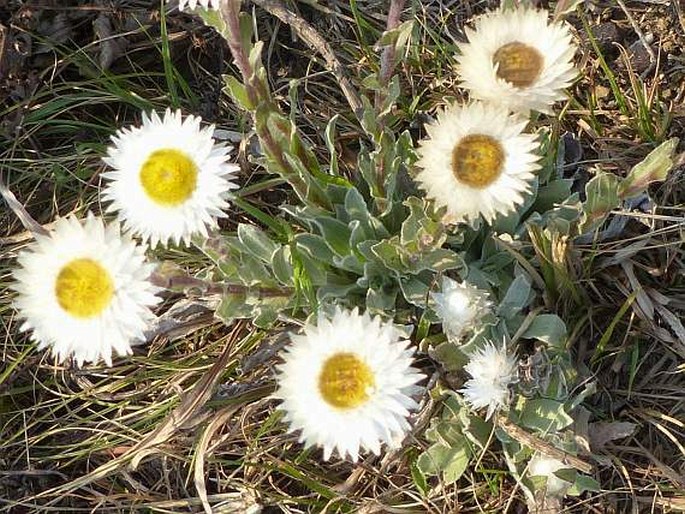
(460, 307)
(477, 161)
(84, 290)
(492, 370)
(347, 384)
(207, 4)
(517, 59)
(170, 178)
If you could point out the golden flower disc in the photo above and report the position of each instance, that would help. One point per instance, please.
(83, 288)
(477, 160)
(518, 64)
(168, 177)
(345, 380)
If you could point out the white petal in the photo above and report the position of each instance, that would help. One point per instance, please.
(381, 418)
(122, 320)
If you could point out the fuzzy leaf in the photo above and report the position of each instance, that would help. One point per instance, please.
(516, 298)
(583, 483)
(654, 168)
(257, 242)
(282, 266)
(335, 233)
(545, 415)
(450, 462)
(548, 328)
(237, 91)
(602, 197)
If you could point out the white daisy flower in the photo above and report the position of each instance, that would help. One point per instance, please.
(492, 370)
(84, 291)
(170, 179)
(477, 160)
(347, 382)
(517, 59)
(541, 465)
(460, 307)
(207, 4)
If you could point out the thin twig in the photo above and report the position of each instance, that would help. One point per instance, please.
(542, 446)
(317, 43)
(641, 37)
(388, 56)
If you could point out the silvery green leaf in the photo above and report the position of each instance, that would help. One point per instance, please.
(601, 198)
(438, 260)
(335, 233)
(415, 291)
(654, 168)
(257, 242)
(329, 137)
(332, 290)
(548, 328)
(450, 356)
(314, 246)
(450, 462)
(552, 194)
(232, 307)
(264, 316)
(583, 483)
(237, 91)
(516, 297)
(389, 254)
(281, 265)
(544, 415)
(349, 263)
(381, 300)
(253, 273)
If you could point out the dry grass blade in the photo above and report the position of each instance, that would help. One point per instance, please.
(317, 43)
(190, 406)
(19, 210)
(203, 444)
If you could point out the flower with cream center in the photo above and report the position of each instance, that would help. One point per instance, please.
(477, 161)
(347, 384)
(516, 58)
(170, 180)
(84, 290)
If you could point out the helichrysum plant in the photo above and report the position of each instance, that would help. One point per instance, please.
(443, 247)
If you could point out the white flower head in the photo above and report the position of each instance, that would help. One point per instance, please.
(492, 370)
(477, 161)
(170, 179)
(541, 465)
(347, 384)
(461, 307)
(207, 4)
(516, 58)
(84, 290)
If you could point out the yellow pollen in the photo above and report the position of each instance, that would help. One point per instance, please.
(84, 288)
(345, 381)
(477, 160)
(169, 177)
(519, 64)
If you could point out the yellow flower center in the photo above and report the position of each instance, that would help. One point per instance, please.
(169, 177)
(345, 381)
(519, 64)
(477, 160)
(84, 288)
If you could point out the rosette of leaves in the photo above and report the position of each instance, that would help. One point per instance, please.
(369, 240)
